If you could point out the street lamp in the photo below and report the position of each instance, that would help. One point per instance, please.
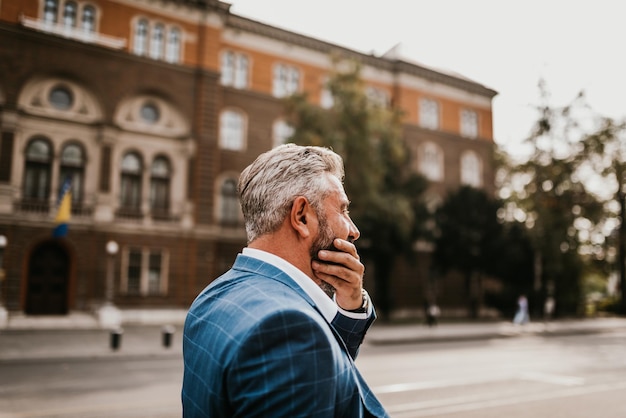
(112, 248)
(4, 316)
(3, 244)
(108, 314)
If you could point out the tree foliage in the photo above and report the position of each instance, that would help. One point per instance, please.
(469, 238)
(386, 195)
(549, 193)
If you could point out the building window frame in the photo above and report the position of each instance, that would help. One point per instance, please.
(72, 163)
(229, 210)
(131, 176)
(145, 271)
(469, 123)
(160, 183)
(235, 68)
(430, 161)
(471, 169)
(286, 80)
(232, 130)
(429, 116)
(38, 156)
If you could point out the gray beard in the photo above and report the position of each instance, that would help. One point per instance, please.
(328, 289)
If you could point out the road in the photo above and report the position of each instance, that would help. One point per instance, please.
(575, 376)
(522, 377)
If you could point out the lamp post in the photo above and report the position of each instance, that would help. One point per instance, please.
(108, 315)
(112, 248)
(4, 316)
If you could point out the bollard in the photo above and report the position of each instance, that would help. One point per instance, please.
(167, 333)
(116, 338)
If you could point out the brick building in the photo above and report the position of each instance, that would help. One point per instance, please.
(152, 108)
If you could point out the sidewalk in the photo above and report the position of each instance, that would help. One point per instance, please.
(61, 342)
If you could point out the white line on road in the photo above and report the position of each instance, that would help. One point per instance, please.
(465, 404)
(553, 379)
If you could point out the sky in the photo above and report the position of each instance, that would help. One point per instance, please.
(508, 46)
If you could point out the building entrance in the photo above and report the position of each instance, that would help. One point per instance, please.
(48, 279)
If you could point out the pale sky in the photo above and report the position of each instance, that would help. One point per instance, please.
(505, 45)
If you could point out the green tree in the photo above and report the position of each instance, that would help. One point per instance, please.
(549, 194)
(468, 239)
(386, 195)
(606, 151)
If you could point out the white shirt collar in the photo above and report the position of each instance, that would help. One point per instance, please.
(325, 304)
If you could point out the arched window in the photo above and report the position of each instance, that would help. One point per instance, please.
(471, 170)
(69, 14)
(141, 37)
(130, 197)
(431, 161)
(156, 43)
(89, 19)
(281, 132)
(232, 130)
(50, 9)
(37, 170)
(160, 175)
(172, 52)
(229, 210)
(73, 167)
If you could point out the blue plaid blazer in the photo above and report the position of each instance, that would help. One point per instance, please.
(255, 345)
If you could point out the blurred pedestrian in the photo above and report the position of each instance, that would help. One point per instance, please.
(548, 308)
(432, 313)
(521, 316)
(265, 339)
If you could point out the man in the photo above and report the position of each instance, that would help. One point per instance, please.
(265, 339)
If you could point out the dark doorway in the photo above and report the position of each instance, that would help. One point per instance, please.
(48, 278)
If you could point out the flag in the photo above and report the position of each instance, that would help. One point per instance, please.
(64, 209)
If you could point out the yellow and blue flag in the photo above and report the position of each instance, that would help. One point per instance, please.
(64, 209)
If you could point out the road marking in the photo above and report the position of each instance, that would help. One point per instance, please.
(553, 379)
(465, 404)
(435, 384)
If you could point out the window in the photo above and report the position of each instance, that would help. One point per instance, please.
(73, 167)
(156, 43)
(471, 169)
(286, 80)
(327, 100)
(229, 208)
(133, 272)
(172, 52)
(234, 70)
(469, 124)
(61, 98)
(431, 161)
(377, 97)
(144, 272)
(232, 130)
(281, 132)
(89, 19)
(429, 114)
(149, 113)
(130, 197)
(69, 14)
(160, 186)
(38, 164)
(50, 11)
(157, 40)
(140, 43)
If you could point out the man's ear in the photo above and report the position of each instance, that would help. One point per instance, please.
(300, 216)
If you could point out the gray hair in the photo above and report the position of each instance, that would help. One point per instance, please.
(268, 186)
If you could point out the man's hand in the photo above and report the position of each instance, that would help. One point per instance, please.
(345, 275)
